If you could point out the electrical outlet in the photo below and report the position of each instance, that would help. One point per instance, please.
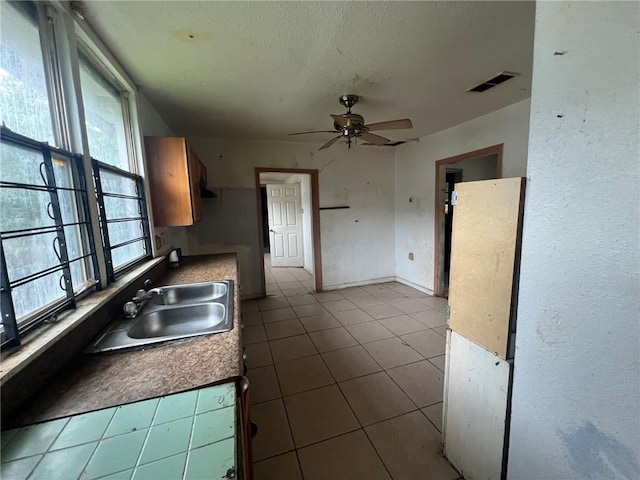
(410, 255)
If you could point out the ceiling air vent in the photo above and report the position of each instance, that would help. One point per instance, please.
(492, 82)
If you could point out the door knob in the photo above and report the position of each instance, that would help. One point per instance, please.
(272, 230)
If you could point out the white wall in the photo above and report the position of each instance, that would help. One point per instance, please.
(151, 123)
(474, 169)
(357, 243)
(576, 393)
(415, 177)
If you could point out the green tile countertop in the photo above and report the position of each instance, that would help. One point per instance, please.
(188, 435)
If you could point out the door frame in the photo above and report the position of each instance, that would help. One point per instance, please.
(315, 221)
(438, 239)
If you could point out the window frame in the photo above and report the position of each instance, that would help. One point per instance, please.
(12, 330)
(97, 164)
(114, 272)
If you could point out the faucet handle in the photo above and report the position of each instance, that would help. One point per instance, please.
(130, 309)
(147, 284)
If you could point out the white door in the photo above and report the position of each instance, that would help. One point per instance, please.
(285, 225)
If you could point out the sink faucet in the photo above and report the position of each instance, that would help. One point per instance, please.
(142, 296)
(132, 308)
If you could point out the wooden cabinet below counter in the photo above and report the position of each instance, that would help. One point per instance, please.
(175, 173)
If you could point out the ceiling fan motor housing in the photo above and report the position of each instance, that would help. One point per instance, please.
(354, 123)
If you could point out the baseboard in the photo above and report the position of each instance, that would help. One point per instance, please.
(250, 296)
(414, 285)
(358, 284)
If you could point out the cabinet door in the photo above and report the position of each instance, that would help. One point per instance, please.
(173, 174)
(194, 184)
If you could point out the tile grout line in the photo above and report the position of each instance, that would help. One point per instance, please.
(362, 345)
(422, 357)
(46, 452)
(115, 411)
(284, 406)
(345, 433)
(418, 361)
(296, 448)
(147, 435)
(382, 369)
(190, 443)
(430, 421)
(377, 452)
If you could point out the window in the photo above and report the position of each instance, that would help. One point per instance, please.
(123, 217)
(24, 102)
(122, 206)
(105, 113)
(44, 233)
(48, 255)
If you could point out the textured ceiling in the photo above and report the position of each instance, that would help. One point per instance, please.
(265, 69)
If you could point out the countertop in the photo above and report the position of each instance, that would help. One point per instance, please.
(106, 380)
(190, 435)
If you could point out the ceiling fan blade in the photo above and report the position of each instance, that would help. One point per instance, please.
(375, 139)
(340, 120)
(315, 131)
(330, 142)
(390, 125)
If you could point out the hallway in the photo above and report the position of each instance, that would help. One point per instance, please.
(345, 384)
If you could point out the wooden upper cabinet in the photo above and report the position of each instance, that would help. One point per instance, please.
(175, 173)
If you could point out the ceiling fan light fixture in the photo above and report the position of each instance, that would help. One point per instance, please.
(352, 126)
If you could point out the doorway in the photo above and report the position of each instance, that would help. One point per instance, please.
(453, 176)
(289, 220)
(265, 221)
(483, 164)
(289, 228)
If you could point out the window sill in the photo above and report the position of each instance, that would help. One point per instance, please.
(37, 342)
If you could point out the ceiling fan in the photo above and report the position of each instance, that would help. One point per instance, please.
(351, 125)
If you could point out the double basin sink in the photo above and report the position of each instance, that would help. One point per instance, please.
(172, 313)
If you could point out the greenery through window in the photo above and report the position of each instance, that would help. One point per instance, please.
(24, 103)
(124, 228)
(104, 117)
(47, 250)
(125, 225)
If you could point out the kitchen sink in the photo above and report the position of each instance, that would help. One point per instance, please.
(175, 312)
(185, 321)
(191, 293)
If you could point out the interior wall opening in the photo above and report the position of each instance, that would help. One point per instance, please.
(483, 164)
(265, 219)
(289, 231)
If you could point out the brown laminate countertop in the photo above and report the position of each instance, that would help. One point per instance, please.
(106, 380)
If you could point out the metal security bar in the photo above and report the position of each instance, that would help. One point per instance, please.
(136, 213)
(77, 203)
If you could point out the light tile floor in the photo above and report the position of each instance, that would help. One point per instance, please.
(345, 384)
